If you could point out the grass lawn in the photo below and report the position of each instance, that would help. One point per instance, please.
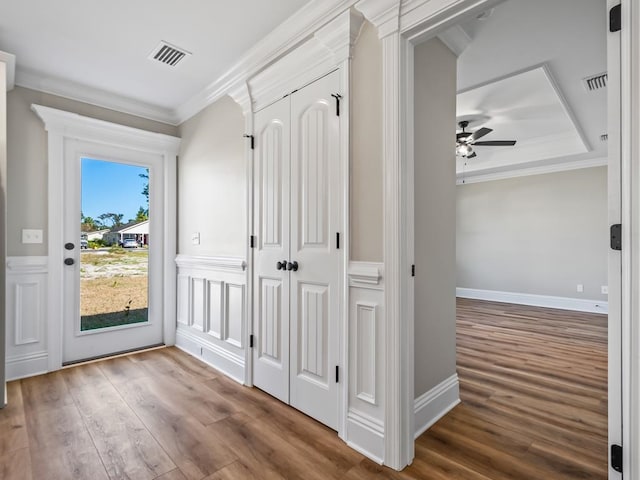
(113, 288)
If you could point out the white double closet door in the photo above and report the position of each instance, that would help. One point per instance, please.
(297, 216)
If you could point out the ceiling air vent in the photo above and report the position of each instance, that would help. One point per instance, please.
(168, 54)
(595, 82)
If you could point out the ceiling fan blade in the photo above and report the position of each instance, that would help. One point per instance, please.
(496, 143)
(473, 154)
(480, 133)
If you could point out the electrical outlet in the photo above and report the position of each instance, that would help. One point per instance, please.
(604, 289)
(579, 288)
(195, 238)
(31, 236)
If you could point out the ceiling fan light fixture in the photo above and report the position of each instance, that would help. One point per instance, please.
(463, 150)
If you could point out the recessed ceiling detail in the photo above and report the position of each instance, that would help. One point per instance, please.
(169, 54)
(528, 107)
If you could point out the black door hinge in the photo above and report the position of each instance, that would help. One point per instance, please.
(251, 341)
(615, 19)
(337, 240)
(413, 270)
(337, 96)
(337, 374)
(616, 237)
(252, 241)
(253, 141)
(616, 458)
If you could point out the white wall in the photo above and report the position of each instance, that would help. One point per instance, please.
(541, 234)
(212, 182)
(366, 148)
(3, 220)
(435, 204)
(27, 160)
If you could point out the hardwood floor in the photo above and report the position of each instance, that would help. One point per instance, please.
(534, 403)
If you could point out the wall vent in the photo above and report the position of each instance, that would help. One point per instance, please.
(168, 54)
(595, 82)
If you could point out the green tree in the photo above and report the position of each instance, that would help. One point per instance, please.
(145, 190)
(142, 215)
(115, 219)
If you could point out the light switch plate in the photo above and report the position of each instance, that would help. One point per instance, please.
(195, 238)
(31, 236)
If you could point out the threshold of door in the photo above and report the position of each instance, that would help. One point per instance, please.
(123, 353)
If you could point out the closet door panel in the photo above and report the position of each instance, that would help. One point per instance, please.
(271, 225)
(316, 217)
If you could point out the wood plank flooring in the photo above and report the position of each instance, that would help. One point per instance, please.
(534, 402)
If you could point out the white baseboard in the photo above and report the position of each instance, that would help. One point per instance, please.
(228, 363)
(562, 303)
(365, 435)
(436, 403)
(24, 366)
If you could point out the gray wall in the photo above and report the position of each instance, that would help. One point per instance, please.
(541, 234)
(435, 209)
(366, 148)
(27, 160)
(212, 182)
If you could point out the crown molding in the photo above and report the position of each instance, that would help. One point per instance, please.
(526, 170)
(10, 61)
(384, 14)
(93, 96)
(279, 42)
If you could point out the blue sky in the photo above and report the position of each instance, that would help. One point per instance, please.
(111, 187)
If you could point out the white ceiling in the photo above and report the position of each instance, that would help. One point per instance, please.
(547, 110)
(103, 46)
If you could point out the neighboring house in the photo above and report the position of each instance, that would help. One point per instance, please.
(97, 235)
(133, 230)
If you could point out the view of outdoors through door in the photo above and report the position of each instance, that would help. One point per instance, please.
(114, 241)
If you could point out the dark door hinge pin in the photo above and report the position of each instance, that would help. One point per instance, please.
(337, 374)
(616, 458)
(413, 270)
(616, 237)
(252, 241)
(337, 96)
(337, 240)
(253, 143)
(615, 19)
(251, 341)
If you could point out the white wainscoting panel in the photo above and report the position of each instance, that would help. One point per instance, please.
(212, 320)
(26, 317)
(365, 418)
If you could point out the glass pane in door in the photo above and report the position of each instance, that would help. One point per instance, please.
(114, 241)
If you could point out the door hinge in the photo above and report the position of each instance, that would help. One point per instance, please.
(413, 270)
(616, 458)
(251, 341)
(253, 140)
(616, 237)
(615, 19)
(337, 374)
(337, 240)
(252, 241)
(337, 96)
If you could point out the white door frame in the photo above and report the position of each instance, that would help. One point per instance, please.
(401, 25)
(62, 125)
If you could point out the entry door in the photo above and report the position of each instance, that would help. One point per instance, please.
(112, 265)
(298, 215)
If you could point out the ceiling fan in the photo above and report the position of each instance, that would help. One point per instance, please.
(465, 141)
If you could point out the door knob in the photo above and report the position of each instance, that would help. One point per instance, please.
(69, 261)
(292, 266)
(69, 246)
(281, 265)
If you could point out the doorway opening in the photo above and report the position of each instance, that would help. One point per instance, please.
(533, 203)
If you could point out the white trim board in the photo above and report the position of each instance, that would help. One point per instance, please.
(436, 403)
(547, 301)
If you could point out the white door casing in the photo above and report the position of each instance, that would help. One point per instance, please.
(298, 210)
(63, 126)
(79, 345)
(271, 228)
(316, 220)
